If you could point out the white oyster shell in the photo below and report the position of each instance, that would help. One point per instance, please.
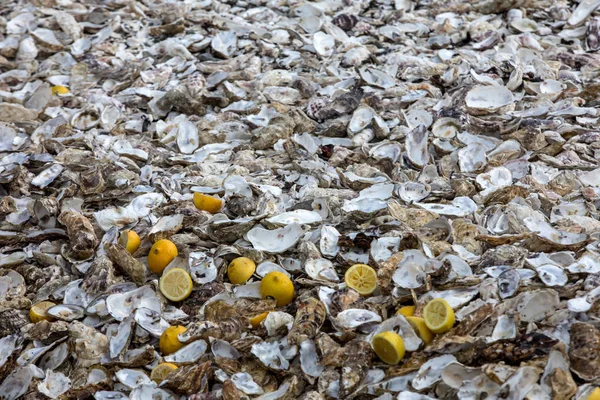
(489, 98)
(276, 240)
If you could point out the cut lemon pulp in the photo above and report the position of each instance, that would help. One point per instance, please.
(361, 278)
(421, 328)
(389, 347)
(438, 316)
(161, 371)
(176, 284)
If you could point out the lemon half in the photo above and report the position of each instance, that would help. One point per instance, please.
(161, 371)
(176, 284)
(361, 278)
(438, 316)
(389, 347)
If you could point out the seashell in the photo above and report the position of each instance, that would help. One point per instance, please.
(356, 56)
(488, 98)
(410, 273)
(583, 10)
(329, 241)
(224, 44)
(68, 24)
(552, 275)
(583, 361)
(187, 137)
(269, 354)
(54, 384)
(431, 371)
(324, 44)
(353, 318)
(445, 128)
(508, 283)
(151, 321)
(244, 382)
(361, 118)
(202, 268)
(47, 39)
(536, 305)
(85, 119)
(345, 21)
(416, 147)
(460, 207)
(276, 240)
(377, 78)
(124, 148)
(321, 269)
(120, 341)
(132, 378)
(121, 305)
(188, 354)
(455, 374)
(67, 312)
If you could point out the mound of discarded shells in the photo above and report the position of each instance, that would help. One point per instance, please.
(290, 199)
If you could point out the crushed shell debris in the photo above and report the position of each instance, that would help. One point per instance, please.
(291, 199)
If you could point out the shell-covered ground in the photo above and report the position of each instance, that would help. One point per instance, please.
(452, 146)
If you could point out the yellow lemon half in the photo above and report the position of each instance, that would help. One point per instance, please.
(207, 203)
(39, 311)
(161, 371)
(168, 342)
(278, 286)
(176, 284)
(407, 311)
(421, 328)
(130, 240)
(389, 347)
(240, 270)
(438, 316)
(361, 278)
(161, 254)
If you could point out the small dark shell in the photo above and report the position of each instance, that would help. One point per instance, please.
(583, 351)
(508, 283)
(314, 105)
(592, 35)
(345, 21)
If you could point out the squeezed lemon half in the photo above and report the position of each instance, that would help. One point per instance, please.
(361, 278)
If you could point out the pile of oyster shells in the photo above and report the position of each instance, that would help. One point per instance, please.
(453, 146)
